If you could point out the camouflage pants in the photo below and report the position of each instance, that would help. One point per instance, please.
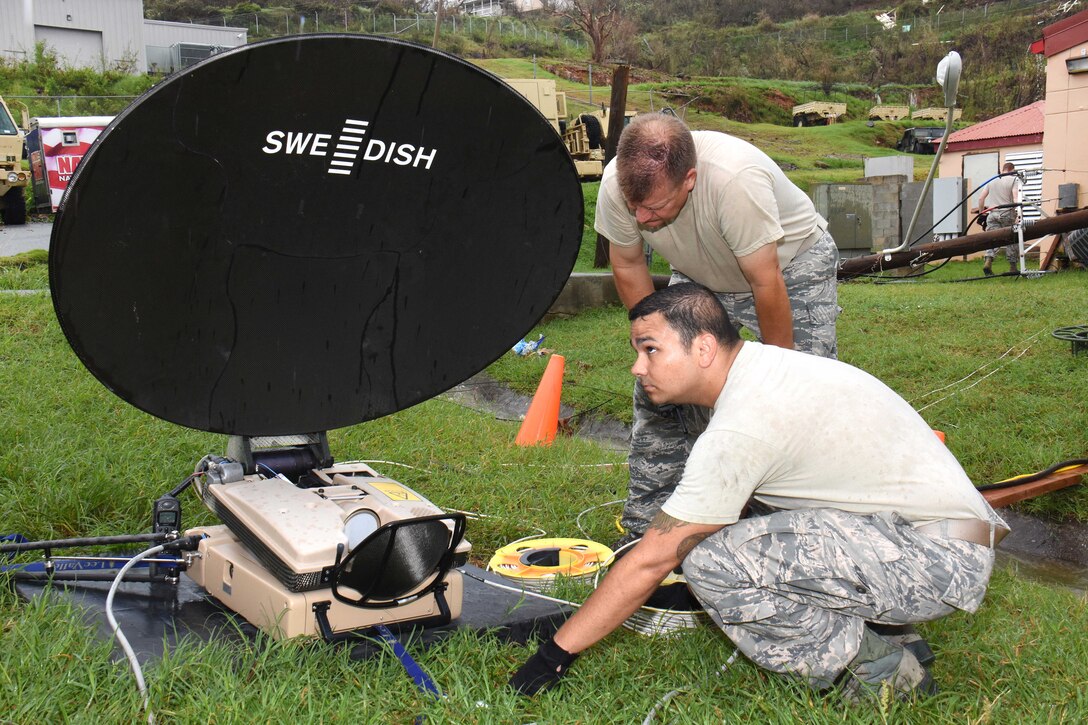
(794, 589)
(1000, 220)
(662, 437)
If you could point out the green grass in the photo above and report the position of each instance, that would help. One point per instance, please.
(76, 460)
(25, 271)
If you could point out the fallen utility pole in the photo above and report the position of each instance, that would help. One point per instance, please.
(924, 253)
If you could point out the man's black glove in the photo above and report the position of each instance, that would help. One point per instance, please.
(543, 670)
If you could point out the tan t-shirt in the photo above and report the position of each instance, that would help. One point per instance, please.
(741, 202)
(799, 431)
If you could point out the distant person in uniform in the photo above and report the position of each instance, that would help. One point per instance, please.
(1003, 198)
(724, 215)
(872, 524)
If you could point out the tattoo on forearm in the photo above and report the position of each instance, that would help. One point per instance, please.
(688, 544)
(664, 523)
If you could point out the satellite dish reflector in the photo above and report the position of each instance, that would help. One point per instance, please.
(311, 232)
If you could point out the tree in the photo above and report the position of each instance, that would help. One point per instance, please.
(598, 19)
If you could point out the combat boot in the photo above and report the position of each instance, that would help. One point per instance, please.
(907, 637)
(880, 663)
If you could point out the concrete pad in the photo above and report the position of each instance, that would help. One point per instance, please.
(24, 237)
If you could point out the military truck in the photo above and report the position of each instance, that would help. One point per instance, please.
(817, 113)
(921, 140)
(13, 179)
(935, 114)
(888, 113)
(584, 134)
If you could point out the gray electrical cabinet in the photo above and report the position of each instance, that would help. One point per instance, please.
(949, 214)
(848, 210)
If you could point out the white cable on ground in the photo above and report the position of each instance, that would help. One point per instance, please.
(968, 387)
(673, 693)
(385, 463)
(1008, 352)
(137, 671)
(578, 519)
(468, 514)
(541, 533)
(563, 465)
(516, 590)
(977, 370)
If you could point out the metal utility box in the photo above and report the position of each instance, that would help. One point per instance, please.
(949, 215)
(1067, 195)
(848, 210)
(183, 55)
(57, 145)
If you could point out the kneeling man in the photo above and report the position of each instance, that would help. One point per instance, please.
(872, 524)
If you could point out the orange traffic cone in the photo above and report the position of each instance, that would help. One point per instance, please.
(940, 434)
(542, 419)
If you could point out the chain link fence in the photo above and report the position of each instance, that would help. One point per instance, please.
(276, 22)
(39, 106)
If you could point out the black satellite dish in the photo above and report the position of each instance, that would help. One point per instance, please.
(311, 232)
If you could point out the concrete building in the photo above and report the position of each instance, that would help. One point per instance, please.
(490, 8)
(105, 34)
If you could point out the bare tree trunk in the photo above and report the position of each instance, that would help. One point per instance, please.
(616, 110)
(437, 24)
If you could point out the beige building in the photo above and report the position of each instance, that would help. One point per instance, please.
(1065, 129)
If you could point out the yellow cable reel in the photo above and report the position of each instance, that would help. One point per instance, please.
(535, 563)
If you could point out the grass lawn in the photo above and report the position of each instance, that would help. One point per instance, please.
(74, 459)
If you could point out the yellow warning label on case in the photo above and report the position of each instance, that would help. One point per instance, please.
(395, 491)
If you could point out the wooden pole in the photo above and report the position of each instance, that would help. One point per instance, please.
(437, 24)
(616, 110)
(872, 263)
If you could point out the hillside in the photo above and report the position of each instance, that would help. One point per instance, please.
(838, 46)
(821, 154)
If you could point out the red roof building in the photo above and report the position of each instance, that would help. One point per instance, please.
(1021, 127)
(978, 152)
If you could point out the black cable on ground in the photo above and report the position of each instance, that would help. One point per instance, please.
(1032, 477)
(85, 541)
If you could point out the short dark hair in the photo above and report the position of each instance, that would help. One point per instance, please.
(1008, 168)
(690, 309)
(653, 147)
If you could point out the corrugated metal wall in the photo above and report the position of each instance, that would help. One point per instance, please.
(110, 29)
(16, 32)
(161, 34)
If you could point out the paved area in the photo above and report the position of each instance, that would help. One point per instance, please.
(24, 237)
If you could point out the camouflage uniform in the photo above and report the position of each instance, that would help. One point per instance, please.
(1001, 219)
(662, 436)
(794, 589)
